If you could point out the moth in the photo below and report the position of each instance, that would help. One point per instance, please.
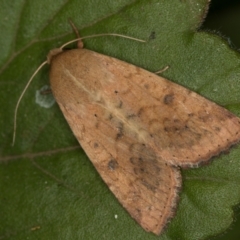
(138, 129)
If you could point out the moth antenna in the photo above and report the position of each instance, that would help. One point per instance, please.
(79, 39)
(19, 100)
(101, 35)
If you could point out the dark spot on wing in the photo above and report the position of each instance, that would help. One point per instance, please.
(112, 164)
(129, 116)
(110, 116)
(145, 166)
(120, 129)
(168, 99)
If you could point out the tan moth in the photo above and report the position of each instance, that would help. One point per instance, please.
(137, 129)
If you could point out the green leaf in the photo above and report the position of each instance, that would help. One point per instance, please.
(48, 187)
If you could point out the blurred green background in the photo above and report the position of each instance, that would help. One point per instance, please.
(224, 18)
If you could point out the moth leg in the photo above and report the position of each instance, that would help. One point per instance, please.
(162, 70)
